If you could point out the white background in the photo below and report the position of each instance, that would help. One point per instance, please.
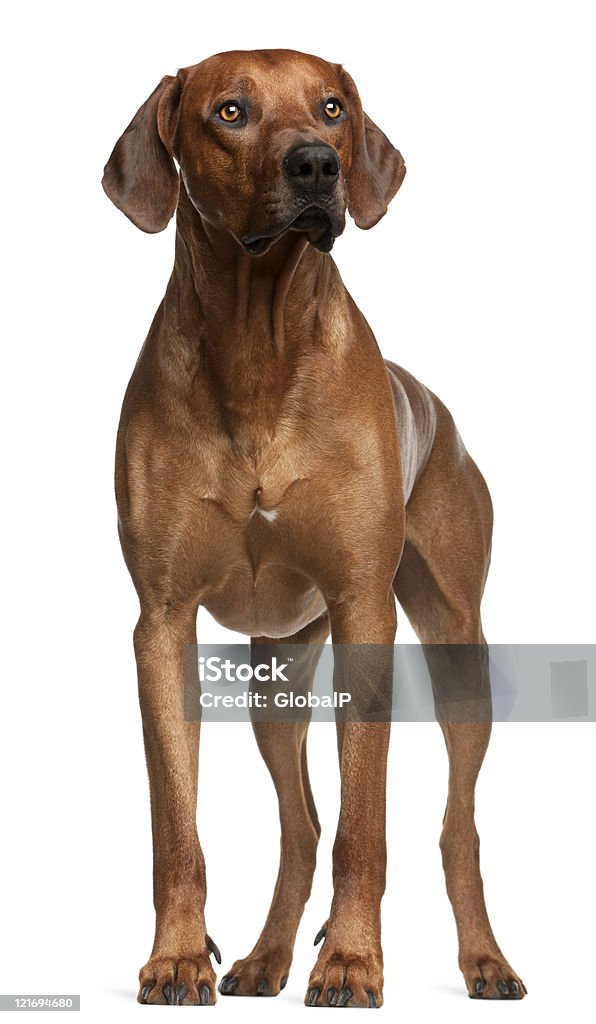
(479, 281)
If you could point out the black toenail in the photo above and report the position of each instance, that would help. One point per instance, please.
(372, 999)
(320, 935)
(146, 989)
(213, 948)
(204, 995)
(514, 988)
(227, 985)
(169, 995)
(283, 983)
(479, 986)
(332, 996)
(344, 995)
(313, 995)
(503, 988)
(262, 986)
(179, 994)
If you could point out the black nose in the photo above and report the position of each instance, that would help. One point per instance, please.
(312, 167)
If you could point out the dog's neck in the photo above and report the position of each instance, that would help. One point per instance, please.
(247, 318)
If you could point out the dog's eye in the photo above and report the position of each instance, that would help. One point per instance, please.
(230, 112)
(333, 108)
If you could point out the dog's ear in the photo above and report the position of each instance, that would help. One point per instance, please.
(141, 177)
(377, 168)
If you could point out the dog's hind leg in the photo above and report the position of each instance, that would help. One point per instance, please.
(283, 746)
(439, 584)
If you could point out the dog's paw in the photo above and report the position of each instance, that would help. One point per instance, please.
(188, 981)
(491, 977)
(262, 974)
(340, 979)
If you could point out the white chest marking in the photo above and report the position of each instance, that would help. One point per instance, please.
(270, 516)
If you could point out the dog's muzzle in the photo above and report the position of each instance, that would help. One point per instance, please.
(312, 171)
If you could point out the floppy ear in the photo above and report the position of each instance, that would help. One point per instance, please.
(140, 177)
(377, 168)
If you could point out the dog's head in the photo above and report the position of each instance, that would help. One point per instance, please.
(267, 142)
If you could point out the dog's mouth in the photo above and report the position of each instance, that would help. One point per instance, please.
(320, 227)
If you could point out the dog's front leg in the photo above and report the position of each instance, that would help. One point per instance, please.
(179, 971)
(349, 970)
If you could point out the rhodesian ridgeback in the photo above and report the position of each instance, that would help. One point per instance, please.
(273, 468)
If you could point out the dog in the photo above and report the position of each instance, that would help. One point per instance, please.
(272, 467)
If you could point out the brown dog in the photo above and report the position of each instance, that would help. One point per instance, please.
(273, 468)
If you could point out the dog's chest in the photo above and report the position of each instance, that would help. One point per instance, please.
(252, 531)
(254, 576)
(256, 483)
